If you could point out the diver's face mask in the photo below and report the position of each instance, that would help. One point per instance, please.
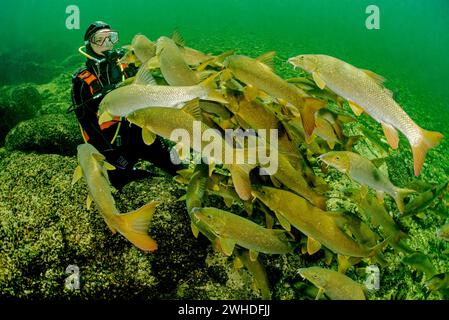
(104, 40)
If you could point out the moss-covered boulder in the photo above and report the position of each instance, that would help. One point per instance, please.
(45, 227)
(54, 133)
(17, 104)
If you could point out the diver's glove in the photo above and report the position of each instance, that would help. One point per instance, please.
(107, 88)
(117, 159)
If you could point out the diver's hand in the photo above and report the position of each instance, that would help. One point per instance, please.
(108, 88)
(117, 159)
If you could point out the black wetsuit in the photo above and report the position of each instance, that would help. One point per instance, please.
(128, 146)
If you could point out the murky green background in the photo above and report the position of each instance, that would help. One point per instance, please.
(410, 49)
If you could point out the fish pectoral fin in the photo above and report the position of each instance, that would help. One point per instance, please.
(228, 201)
(313, 246)
(250, 93)
(192, 107)
(269, 220)
(391, 134)
(211, 167)
(319, 294)
(144, 76)
(194, 229)
(318, 80)
(311, 106)
(98, 156)
(377, 78)
(225, 75)
(284, 222)
(77, 174)
(148, 136)
(358, 110)
(380, 196)
(343, 264)
(153, 63)
(227, 246)
(89, 201)
(238, 264)
(108, 166)
(105, 117)
(253, 255)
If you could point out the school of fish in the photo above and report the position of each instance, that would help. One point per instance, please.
(286, 211)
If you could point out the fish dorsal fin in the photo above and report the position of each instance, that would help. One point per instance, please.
(388, 92)
(195, 230)
(269, 220)
(267, 59)
(77, 174)
(358, 110)
(144, 76)
(377, 78)
(178, 39)
(148, 136)
(284, 223)
(227, 246)
(192, 107)
(89, 201)
(313, 246)
(391, 134)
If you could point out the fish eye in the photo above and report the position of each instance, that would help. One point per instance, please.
(337, 158)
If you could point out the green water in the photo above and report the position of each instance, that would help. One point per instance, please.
(410, 50)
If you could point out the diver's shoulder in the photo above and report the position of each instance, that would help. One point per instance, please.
(80, 71)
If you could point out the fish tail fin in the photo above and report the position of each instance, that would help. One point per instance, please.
(311, 106)
(428, 140)
(134, 226)
(399, 196)
(211, 92)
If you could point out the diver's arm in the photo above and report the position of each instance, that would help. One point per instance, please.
(86, 112)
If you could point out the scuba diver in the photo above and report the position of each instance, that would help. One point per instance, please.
(118, 140)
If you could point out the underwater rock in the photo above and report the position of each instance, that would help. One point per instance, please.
(21, 66)
(17, 104)
(28, 98)
(53, 108)
(56, 133)
(46, 227)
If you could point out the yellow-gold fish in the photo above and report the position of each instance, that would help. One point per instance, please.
(334, 284)
(133, 225)
(365, 173)
(364, 91)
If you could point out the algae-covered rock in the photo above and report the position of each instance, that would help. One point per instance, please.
(55, 133)
(17, 104)
(53, 108)
(28, 98)
(46, 227)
